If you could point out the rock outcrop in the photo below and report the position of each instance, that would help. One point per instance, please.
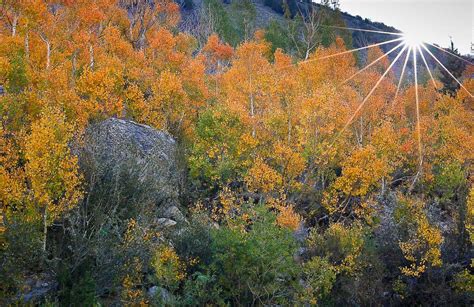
(129, 156)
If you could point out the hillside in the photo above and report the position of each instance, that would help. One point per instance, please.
(264, 15)
(152, 160)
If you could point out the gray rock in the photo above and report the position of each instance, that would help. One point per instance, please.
(127, 154)
(163, 295)
(164, 222)
(386, 231)
(302, 233)
(38, 288)
(152, 291)
(174, 213)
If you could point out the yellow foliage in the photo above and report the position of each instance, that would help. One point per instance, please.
(286, 215)
(288, 218)
(11, 175)
(5, 67)
(341, 244)
(247, 143)
(248, 85)
(12, 180)
(385, 140)
(290, 165)
(135, 268)
(228, 202)
(131, 293)
(135, 102)
(422, 247)
(169, 108)
(100, 88)
(362, 172)
(51, 169)
(169, 270)
(262, 178)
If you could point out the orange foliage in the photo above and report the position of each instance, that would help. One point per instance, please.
(288, 218)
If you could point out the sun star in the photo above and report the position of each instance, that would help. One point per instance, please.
(412, 39)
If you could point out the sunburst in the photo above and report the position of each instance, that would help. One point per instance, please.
(414, 45)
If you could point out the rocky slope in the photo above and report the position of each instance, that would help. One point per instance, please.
(265, 14)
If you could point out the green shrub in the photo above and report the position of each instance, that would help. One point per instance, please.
(319, 277)
(449, 180)
(75, 288)
(255, 265)
(223, 25)
(20, 252)
(278, 37)
(215, 156)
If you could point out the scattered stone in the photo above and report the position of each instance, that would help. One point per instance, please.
(38, 287)
(164, 295)
(164, 222)
(174, 213)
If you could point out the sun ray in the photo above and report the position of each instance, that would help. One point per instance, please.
(343, 52)
(361, 105)
(417, 102)
(363, 30)
(427, 67)
(447, 70)
(373, 62)
(361, 48)
(450, 53)
(402, 74)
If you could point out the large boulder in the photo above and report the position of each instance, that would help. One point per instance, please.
(132, 185)
(133, 162)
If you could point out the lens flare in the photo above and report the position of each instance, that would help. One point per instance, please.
(412, 39)
(414, 46)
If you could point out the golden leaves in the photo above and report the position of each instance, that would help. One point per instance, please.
(422, 246)
(217, 52)
(167, 109)
(290, 164)
(288, 218)
(262, 177)
(343, 246)
(248, 84)
(51, 168)
(101, 88)
(169, 269)
(12, 176)
(362, 172)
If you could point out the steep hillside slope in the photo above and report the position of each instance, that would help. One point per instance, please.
(264, 15)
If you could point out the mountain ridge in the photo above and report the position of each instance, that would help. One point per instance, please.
(265, 14)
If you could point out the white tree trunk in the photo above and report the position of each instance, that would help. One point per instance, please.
(48, 54)
(91, 56)
(27, 45)
(14, 25)
(252, 107)
(252, 114)
(306, 57)
(48, 50)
